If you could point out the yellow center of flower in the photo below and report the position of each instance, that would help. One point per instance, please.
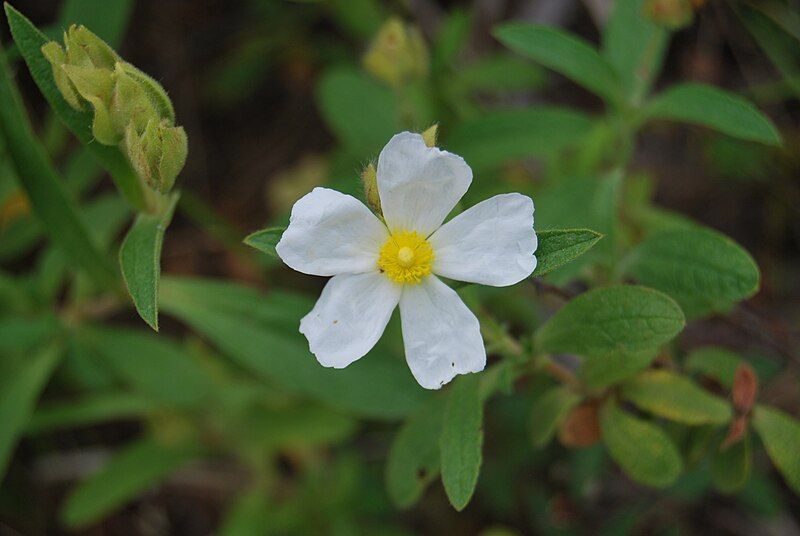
(406, 257)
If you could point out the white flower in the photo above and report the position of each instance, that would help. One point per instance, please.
(376, 266)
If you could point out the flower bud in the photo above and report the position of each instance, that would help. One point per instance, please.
(369, 179)
(397, 54)
(131, 109)
(85, 48)
(158, 154)
(96, 87)
(57, 57)
(430, 135)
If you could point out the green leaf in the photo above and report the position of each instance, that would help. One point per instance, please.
(714, 108)
(451, 38)
(414, 458)
(89, 410)
(549, 411)
(669, 395)
(248, 516)
(717, 363)
(781, 436)
(564, 53)
(20, 335)
(260, 332)
(601, 371)
(297, 427)
(623, 317)
(496, 137)
(779, 47)
(40, 180)
(730, 468)
(641, 449)
(107, 20)
(362, 114)
(132, 471)
(497, 74)
(461, 440)
(265, 240)
(153, 365)
(30, 41)
(20, 386)
(140, 259)
(559, 246)
(701, 269)
(634, 46)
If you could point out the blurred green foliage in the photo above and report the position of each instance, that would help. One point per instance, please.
(589, 364)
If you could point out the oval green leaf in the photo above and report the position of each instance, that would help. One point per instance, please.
(564, 53)
(641, 449)
(494, 138)
(265, 240)
(622, 317)
(666, 394)
(461, 440)
(140, 259)
(414, 458)
(781, 436)
(559, 246)
(701, 269)
(714, 108)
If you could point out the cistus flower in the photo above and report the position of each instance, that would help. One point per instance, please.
(377, 265)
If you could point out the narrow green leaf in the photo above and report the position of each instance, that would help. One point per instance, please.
(714, 108)
(129, 473)
(494, 138)
(461, 440)
(87, 411)
(601, 371)
(40, 180)
(781, 436)
(634, 46)
(414, 458)
(666, 394)
(701, 269)
(549, 411)
(20, 386)
(265, 240)
(20, 335)
(623, 317)
(153, 365)
(260, 332)
(361, 113)
(779, 47)
(140, 259)
(559, 246)
(30, 41)
(730, 468)
(564, 53)
(641, 449)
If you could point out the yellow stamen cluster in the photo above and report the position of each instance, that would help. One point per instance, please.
(406, 257)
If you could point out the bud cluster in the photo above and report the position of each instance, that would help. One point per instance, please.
(131, 109)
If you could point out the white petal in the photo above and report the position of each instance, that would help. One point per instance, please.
(441, 335)
(419, 185)
(331, 233)
(491, 243)
(349, 317)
